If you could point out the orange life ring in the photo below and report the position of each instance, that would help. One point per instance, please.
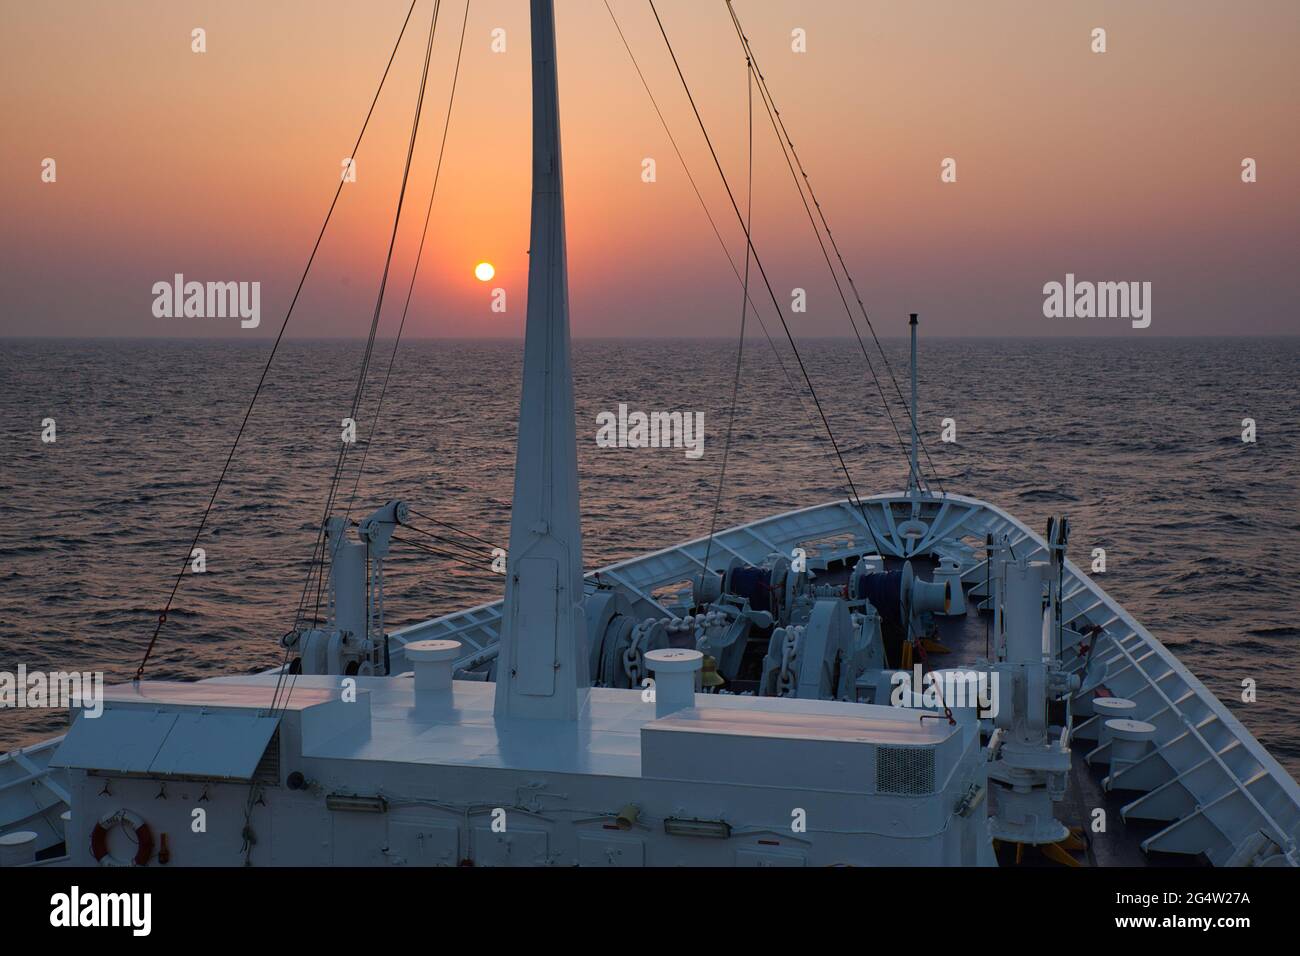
(134, 825)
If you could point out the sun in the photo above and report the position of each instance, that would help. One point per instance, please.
(484, 271)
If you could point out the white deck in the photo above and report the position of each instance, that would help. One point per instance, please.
(605, 741)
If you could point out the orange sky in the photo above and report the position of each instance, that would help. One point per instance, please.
(1116, 166)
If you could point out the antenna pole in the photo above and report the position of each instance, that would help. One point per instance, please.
(914, 479)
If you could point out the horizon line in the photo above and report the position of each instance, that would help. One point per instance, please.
(623, 338)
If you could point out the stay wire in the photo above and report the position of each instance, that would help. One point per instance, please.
(831, 237)
(410, 289)
(463, 548)
(162, 616)
(821, 243)
(766, 282)
(365, 365)
(317, 568)
(452, 527)
(383, 288)
(450, 556)
(744, 309)
(315, 571)
(795, 389)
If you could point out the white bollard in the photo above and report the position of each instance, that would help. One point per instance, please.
(18, 849)
(1129, 740)
(1107, 708)
(674, 669)
(432, 663)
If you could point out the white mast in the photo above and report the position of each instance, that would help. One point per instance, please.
(542, 668)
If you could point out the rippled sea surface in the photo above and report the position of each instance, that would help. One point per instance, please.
(1137, 439)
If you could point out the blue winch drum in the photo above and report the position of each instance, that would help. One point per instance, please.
(752, 584)
(883, 590)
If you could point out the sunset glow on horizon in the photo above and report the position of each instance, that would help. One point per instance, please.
(221, 165)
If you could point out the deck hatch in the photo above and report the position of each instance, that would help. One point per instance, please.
(125, 741)
(201, 744)
(220, 745)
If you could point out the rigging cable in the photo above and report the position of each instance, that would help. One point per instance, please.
(410, 289)
(744, 309)
(848, 312)
(783, 134)
(162, 615)
(767, 283)
(475, 565)
(321, 536)
(460, 546)
(795, 389)
(374, 326)
(444, 524)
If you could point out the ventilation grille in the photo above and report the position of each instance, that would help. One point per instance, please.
(905, 770)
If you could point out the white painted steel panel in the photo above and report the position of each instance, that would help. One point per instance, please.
(122, 740)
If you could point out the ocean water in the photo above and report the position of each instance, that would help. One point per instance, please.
(1137, 439)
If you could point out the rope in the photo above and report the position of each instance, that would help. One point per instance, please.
(464, 548)
(848, 312)
(452, 527)
(410, 289)
(796, 390)
(766, 282)
(379, 299)
(744, 308)
(162, 616)
(365, 365)
(779, 124)
(476, 565)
